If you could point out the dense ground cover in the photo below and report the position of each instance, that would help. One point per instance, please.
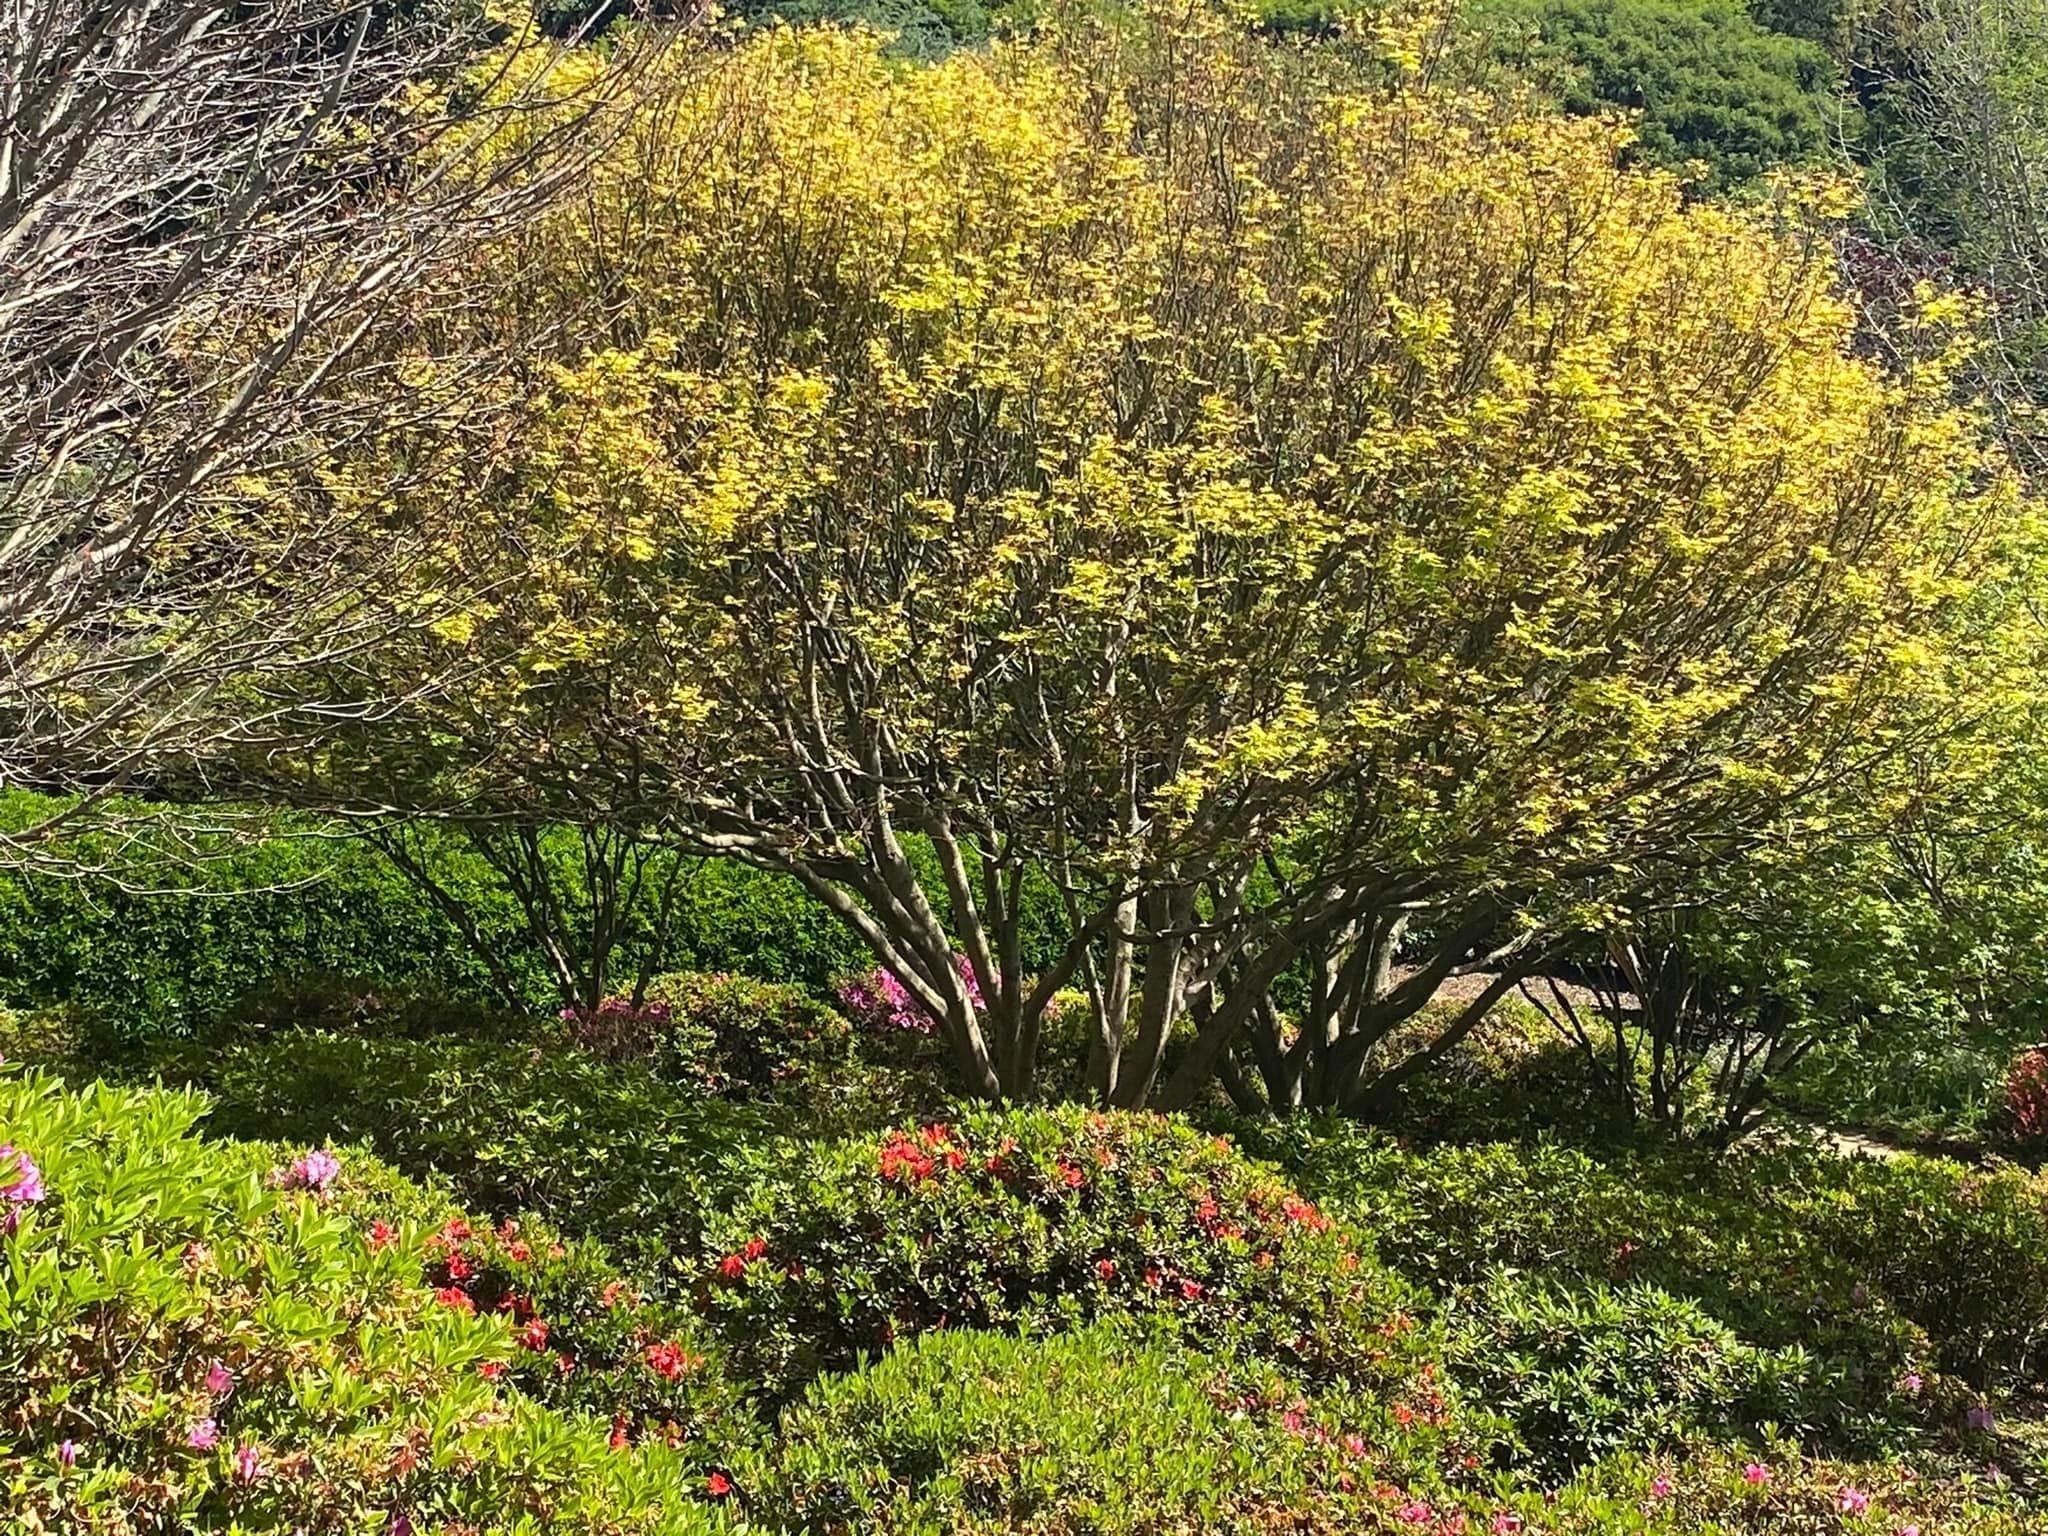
(614, 1291)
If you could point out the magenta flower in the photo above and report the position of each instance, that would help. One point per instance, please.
(203, 1435)
(1506, 1524)
(1852, 1501)
(21, 1183)
(315, 1171)
(1756, 1474)
(248, 1465)
(1660, 1487)
(220, 1381)
(1414, 1512)
(1979, 1417)
(1911, 1381)
(67, 1455)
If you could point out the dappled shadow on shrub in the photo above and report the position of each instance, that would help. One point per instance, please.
(1885, 1272)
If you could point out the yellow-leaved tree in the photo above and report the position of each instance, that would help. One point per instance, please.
(1298, 508)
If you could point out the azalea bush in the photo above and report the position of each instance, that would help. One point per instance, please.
(1883, 1270)
(1109, 1429)
(205, 1336)
(1044, 1220)
(520, 1123)
(1581, 1372)
(742, 1037)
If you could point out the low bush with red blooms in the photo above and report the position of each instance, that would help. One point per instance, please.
(588, 1339)
(2026, 1099)
(1042, 1219)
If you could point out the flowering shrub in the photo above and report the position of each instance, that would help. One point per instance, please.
(196, 1336)
(1042, 1219)
(2026, 1099)
(588, 1338)
(882, 1003)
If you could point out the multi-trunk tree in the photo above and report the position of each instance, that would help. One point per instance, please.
(1319, 520)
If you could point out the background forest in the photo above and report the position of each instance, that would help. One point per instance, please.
(1071, 767)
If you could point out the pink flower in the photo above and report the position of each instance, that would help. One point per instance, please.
(1505, 1524)
(1910, 1381)
(67, 1455)
(1354, 1445)
(315, 1171)
(1852, 1501)
(1908, 1530)
(220, 1381)
(1660, 1487)
(1979, 1416)
(203, 1436)
(21, 1183)
(248, 1465)
(1756, 1474)
(1414, 1512)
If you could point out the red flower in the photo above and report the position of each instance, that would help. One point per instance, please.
(611, 1292)
(1191, 1290)
(456, 1230)
(491, 1370)
(1299, 1211)
(518, 1252)
(459, 1268)
(732, 1266)
(955, 1159)
(618, 1439)
(1154, 1279)
(1070, 1175)
(535, 1334)
(1403, 1415)
(1206, 1211)
(718, 1485)
(1264, 1260)
(1105, 1269)
(754, 1249)
(381, 1235)
(902, 1162)
(565, 1365)
(456, 1297)
(668, 1360)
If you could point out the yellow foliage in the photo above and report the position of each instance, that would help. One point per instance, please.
(1219, 415)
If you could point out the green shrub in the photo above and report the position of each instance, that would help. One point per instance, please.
(1043, 1220)
(1109, 1429)
(734, 1034)
(1709, 82)
(211, 1337)
(1584, 1371)
(518, 1123)
(1878, 1268)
